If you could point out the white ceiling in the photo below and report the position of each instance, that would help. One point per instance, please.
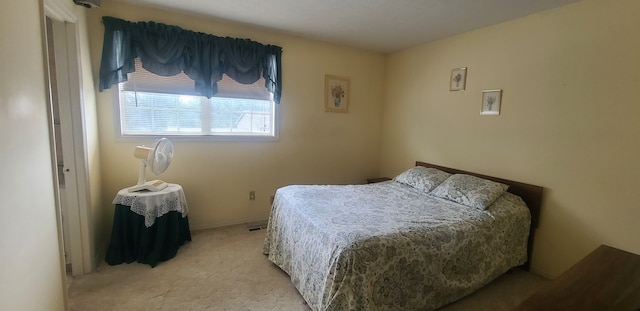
(379, 25)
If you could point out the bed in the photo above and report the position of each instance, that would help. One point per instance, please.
(429, 237)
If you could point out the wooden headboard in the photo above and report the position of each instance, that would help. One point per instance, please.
(530, 194)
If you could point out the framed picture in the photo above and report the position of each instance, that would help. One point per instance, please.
(491, 102)
(458, 79)
(336, 94)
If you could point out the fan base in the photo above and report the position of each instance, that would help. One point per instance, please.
(153, 185)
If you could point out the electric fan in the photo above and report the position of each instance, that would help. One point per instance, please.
(157, 158)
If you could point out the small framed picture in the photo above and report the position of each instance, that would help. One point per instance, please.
(336, 94)
(458, 79)
(491, 102)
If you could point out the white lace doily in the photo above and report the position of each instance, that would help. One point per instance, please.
(152, 205)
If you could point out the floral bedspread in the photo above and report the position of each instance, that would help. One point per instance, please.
(386, 246)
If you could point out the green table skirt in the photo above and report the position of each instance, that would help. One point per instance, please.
(132, 241)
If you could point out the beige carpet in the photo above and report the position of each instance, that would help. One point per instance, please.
(224, 269)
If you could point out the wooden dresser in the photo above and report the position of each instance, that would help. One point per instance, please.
(607, 279)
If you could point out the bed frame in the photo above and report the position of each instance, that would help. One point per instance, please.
(530, 194)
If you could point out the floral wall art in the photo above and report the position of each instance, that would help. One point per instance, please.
(491, 102)
(458, 79)
(336, 93)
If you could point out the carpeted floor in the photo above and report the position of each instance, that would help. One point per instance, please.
(224, 269)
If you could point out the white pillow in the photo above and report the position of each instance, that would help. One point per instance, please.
(422, 178)
(470, 190)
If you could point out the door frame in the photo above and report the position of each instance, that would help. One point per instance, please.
(69, 91)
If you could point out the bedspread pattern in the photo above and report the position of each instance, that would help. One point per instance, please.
(386, 246)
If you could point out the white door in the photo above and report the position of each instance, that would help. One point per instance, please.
(69, 143)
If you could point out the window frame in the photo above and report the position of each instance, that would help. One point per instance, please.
(200, 137)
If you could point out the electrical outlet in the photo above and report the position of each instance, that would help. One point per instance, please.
(252, 195)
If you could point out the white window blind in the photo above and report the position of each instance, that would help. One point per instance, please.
(155, 105)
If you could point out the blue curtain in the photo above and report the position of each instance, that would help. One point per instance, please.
(168, 50)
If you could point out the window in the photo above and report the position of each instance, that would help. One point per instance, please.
(152, 105)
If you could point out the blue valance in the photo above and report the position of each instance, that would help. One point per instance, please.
(168, 50)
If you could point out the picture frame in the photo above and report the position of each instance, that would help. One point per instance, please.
(491, 102)
(458, 80)
(336, 94)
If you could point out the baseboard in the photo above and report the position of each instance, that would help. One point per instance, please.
(248, 223)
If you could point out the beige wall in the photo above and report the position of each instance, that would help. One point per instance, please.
(30, 263)
(569, 120)
(313, 146)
